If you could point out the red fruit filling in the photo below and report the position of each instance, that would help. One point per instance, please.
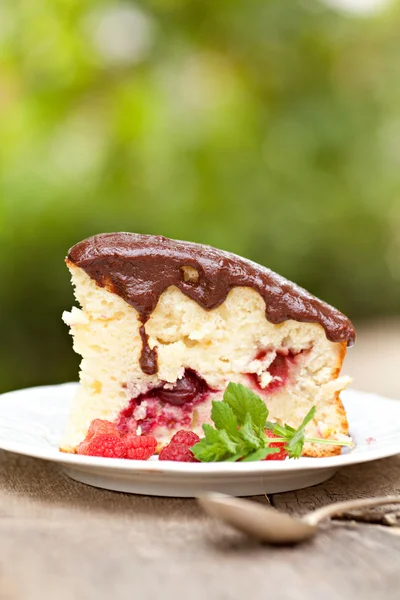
(280, 370)
(177, 452)
(282, 454)
(185, 390)
(166, 406)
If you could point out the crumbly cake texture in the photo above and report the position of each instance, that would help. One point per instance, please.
(292, 365)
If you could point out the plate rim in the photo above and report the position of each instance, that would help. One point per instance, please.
(204, 469)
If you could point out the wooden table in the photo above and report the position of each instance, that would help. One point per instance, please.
(65, 541)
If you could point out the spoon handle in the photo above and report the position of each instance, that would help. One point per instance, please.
(340, 507)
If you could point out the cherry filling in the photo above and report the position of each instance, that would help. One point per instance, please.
(165, 406)
(186, 389)
(280, 370)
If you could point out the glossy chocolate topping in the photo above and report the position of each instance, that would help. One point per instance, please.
(139, 268)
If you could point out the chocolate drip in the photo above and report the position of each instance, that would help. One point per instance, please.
(148, 357)
(139, 268)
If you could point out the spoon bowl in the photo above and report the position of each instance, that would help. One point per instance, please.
(267, 524)
(263, 523)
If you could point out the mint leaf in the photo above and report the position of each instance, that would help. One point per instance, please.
(235, 457)
(277, 429)
(296, 441)
(213, 447)
(209, 452)
(294, 437)
(281, 430)
(248, 435)
(212, 435)
(230, 445)
(259, 454)
(235, 435)
(289, 429)
(224, 418)
(309, 417)
(242, 400)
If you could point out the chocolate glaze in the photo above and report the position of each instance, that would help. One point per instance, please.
(148, 357)
(139, 268)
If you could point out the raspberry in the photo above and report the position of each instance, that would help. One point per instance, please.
(188, 438)
(139, 447)
(177, 452)
(282, 454)
(103, 444)
(100, 426)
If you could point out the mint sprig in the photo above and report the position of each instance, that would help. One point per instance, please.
(239, 428)
(240, 421)
(294, 438)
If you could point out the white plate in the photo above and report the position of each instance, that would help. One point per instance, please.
(32, 422)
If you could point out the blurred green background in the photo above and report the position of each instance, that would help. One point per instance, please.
(267, 127)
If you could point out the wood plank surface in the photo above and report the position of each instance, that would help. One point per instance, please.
(62, 540)
(378, 478)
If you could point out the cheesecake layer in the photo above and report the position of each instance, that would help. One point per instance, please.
(292, 364)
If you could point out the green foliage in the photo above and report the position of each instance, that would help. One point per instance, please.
(239, 428)
(295, 438)
(239, 432)
(266, 128)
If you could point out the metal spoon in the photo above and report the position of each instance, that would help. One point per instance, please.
(267, 524)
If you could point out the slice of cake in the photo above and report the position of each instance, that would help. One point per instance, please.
(165, 325)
